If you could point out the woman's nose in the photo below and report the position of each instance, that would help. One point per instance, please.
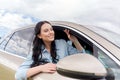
(51, 31)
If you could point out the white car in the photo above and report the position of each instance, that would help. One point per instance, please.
(101, 60)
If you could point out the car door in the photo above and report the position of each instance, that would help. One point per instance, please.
(13, 51)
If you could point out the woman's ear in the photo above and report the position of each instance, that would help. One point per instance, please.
(39, 36)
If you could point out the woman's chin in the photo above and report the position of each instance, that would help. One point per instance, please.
(51, 39)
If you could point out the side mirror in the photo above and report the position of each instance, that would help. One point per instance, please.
(81, 66)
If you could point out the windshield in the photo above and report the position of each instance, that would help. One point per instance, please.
(107, 34)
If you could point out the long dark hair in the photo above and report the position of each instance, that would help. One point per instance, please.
(37, 46)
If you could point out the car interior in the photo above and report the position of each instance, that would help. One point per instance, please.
(60, 34)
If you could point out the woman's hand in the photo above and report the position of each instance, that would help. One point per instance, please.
(74, 40)
(48, 68)
(71, 37)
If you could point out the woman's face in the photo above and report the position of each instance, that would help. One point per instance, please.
(47, 33)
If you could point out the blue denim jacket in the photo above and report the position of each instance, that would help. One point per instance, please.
(63, 49)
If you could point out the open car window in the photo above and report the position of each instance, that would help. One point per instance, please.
(60, 34)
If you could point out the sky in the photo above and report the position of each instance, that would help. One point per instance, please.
(100, 13)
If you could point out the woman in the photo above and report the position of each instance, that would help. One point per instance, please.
(46, 51)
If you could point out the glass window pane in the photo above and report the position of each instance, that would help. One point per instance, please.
(20, 42)
(109, 64)
(106, 60)
(4, 42)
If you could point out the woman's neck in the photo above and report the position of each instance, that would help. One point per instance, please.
(48, 46)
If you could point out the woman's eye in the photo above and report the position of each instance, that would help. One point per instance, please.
(46, 30)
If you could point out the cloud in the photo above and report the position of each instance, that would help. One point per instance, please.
(14, 20)
(93, 12)
(49, 9)
(58, 10)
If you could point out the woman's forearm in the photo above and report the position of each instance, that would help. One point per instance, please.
(34, 70)
(78, 45)
(47, 68)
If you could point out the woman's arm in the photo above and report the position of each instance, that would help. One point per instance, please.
(47, 68)
(74, 40)
(77, 44)
(24, 71)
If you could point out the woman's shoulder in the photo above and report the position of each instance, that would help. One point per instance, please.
(60, 40)
(60, 43)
